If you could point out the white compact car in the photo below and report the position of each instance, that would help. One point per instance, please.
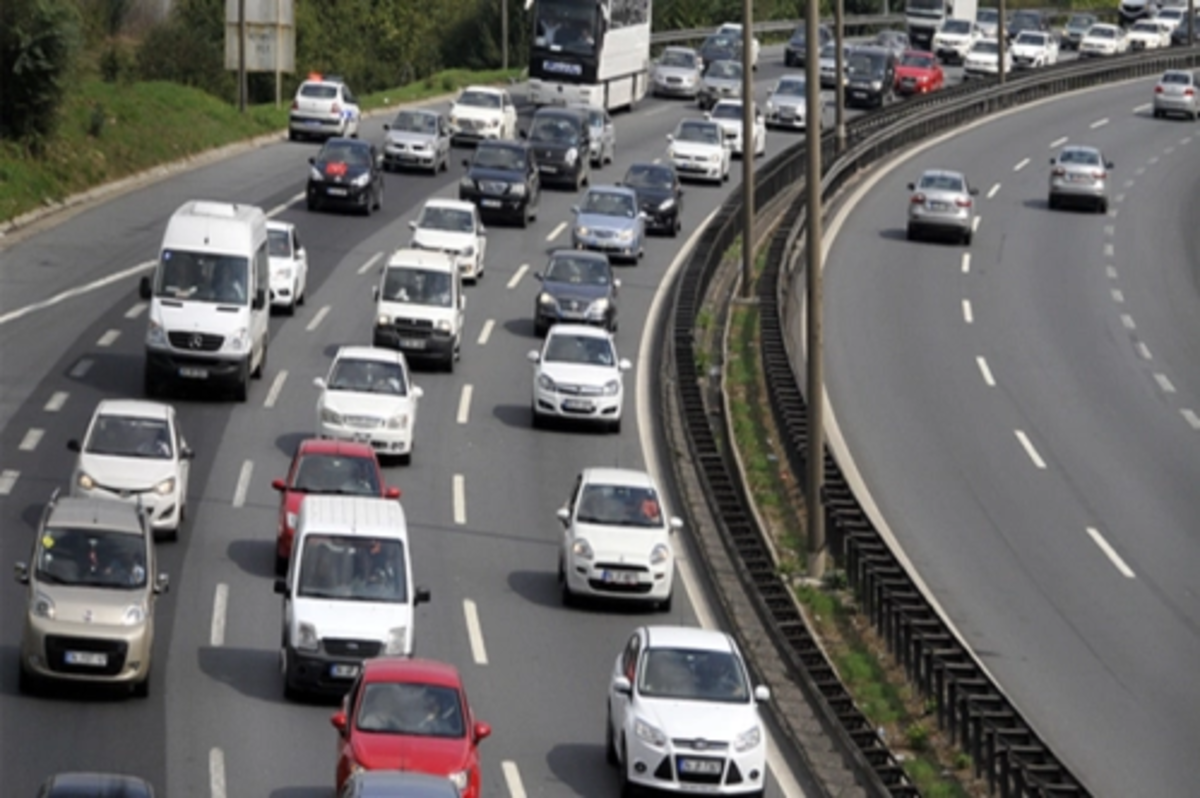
(289, 266)
(699, 151)
(1102, 40)
(954, 38)
(577, 377)
(368, 397)
(616, 539)
(728, 114)
(134, 451)
(453, 227)
(735, 29)
(1149, 34)
(683, 717)
(324, 108)
(483, 112)
(1033, 49)
(984, 59)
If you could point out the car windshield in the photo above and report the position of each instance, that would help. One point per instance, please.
(589, 350)
(1182, 78)
(563, 25)
(1025, 19)
(728, 70)
(351, 154)
(791, 88)
(941, 183)
(1102, 32)
(418, 287)
(727, 111)
(91, 558)
(554, 130)
(479, 99)
(987, 15)
(279, 243)
(1080, 157)
(336, 474)
(988, 47)
(619, 505)
(829, 50)
(415, 122)
(861, 65)
(202, 277)
(353, 568)
(676, 58)
(1029, 37)
(888, 38)
(692, 674)
(578, 271)
(1172, 13)
(130, 436)
(926, 5)
(1081, 21)
(368, 376)
(649, 176)
(918, 61)
(721, 41)
(319, 91)
(1146, 27)
(453, 220)
(509, 159)
(957, 26)
(421, 710)
(699, 132)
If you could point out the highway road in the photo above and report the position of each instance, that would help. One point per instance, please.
(1024, 413)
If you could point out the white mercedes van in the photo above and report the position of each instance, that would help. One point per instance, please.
(209, 299)
(419, 306)
(348, 594)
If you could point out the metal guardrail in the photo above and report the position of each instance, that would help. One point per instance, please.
(971, 707)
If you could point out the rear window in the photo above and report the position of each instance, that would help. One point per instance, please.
(318, 91)
(1181, 78)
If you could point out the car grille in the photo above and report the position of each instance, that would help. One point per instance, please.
(124, 493)
(601, 586)
(580, 390)
(496, 187)
(700, 744)
(573, 305)
(674, 81)
(196, 342)
(546, 155)
(363, 422)
(612, 566)
(472, 124)
(604, 233)
(338, 647)
(57, 646)
(413, 328)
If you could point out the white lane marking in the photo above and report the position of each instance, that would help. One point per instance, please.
(216, 635)
(1168, 150)
(1109, 250)
(317, 319)
(975, 224)
(59, 298)
(556, 231)
(516, 278)
(31, 440)
(1118, 296)
(1059, 142)
(1110, 552)
(512, 777)
(243, 483)
(1143, 107)
(658, 160)
(486, 332)
(993, 191)
(283, 206)
(276, 387)
(136, 310)
(56, 402)
(1111, 271)
(1029, 450)
(1127, 320)
(464, 404)
(1164, 383)
(460, 500)
(1099, 123)
(966, 263)
(968, 316)
(216, 773)
(109, 338)
(82, 368)
(1120, 198)
(475, 632)
(986, 371)
(1128, 184)
(1144, 351)
(1021, 165)
(1190, 416)
(1153, 160)
(1183, 142)
(1112, 213)
(1109, 229)
(8, 479)
(366, 267)
(1141, 170)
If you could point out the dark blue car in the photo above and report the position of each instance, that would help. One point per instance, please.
(578, 287)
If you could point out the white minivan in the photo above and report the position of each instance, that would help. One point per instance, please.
(419, 306)
(348, 594)
(209, 299)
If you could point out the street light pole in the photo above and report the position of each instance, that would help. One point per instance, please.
(504, 34)
(1191, 23)
(815, 392)
(1002, 41)
(242, 56)
(748, 109)
(839, 91)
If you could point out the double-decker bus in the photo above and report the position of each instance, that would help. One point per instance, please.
(591, 51)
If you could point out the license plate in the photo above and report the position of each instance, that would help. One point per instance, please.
(412, 343)
(619, 577)
(548, 169)
(193, 373)
(708, 767)
(92, 659)
(362, 437)
(337, 192)
(576, 404)
(858, 95)
(939, 206)
(785, 114)
(343, 671)
(490, 203)
(312, 123)
(1080, 179)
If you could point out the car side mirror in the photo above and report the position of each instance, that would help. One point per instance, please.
(563, 514)
(621, 685)
(21, 573)
(522, 134)
(73, 445)
(320, 382)
(912, 186)
(670, 137)
(575, 209)
(762, 693)
(708, 115)
(391, 492)
(281, 587)
(417, 392)
(412, 224)
(1108, 164)
(643, 215)
(387, 126)
(421, 595)
(162, 583)
(482, 231)
(532, 356)
(482, 731)
(279, 485)
(466, 163)
(624, 365)
(1051, 161)
(312, 160)
(338, 721)
(187, 453)
(260, 299)
(616, 283)
(144, 288)
(675, 523)
(539, 277)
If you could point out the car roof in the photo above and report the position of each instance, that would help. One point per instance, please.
(502, 144)
(580, 254)
(1079, 148)
(403, 669)
(370, 353)
(403, 784)
(872, 49)
(98, 785)
(275, 224)
(618, 476)
(571, 112)
(406, 257)
(347, 142)
(323, 82)
(611, 189)
(728, 101)
(107, 514)
(137, 408)
(691, 120)
(733, 61)
(943, 173)
(334, 446)
(687, 637)
(458, 205)
(484, 89)
(685, 50)
(584, 330)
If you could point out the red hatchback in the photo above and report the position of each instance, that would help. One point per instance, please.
(410, 714)
(325, 467)
(919, 73)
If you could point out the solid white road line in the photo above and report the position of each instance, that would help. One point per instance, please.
(464, 404)
(1127, 322)
(216, 635)
(993, 191)
(512, 777)
(1190, 417)
(1099, 123)
(283, 206)
(31, 440)
(1144, 351)
(968, 316)
(1029, 450)
(486, 332)
(56, 402)
(1111, 271)
(556, 231)
(516, 278)
(460, 500)
(1021, 164)
(136, 310)
(317, 319)
(1118, 295)
(243, 483)
(975, 224)
(1110, 552)
(475, 632)
(109, 338)
(276, 387)
(81, 368)
(985, 371)
(1164, 382)
(19, 313)
(966, 263)
(1137, 109)
(1109, 250)
(8, 479)
(216, 773)
(1059, 142)
(366, 267)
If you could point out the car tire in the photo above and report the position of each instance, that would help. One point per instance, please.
(241, 391)
(966, 238)
(628, 788)
(1157, 114)
(524, 221)
(27, 683)
(610, 747)
(141, 689)
(281, 564)
(312, 204)
(540, 329)
(149, 386)
(615, 426)
(910, 233)
(292, 135)
(405, 459)
(664, 606)
(262, 363)
(676, 226)
(379, 198)
(1102, 206)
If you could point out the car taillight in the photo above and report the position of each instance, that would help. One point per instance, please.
(1059, 171)
(1189, 92)
(1099, 175)
(295, 105)
(1158, 89)
(918, 199)
(963, 202)
(335, 109)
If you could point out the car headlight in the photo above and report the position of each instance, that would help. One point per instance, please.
(453, 118)
(649, 733)
(85, 481)
(572, 156)
(443, 325)
(770, 107)
(330, 416)
(612, 387)
(315, 174)
(545, 383)
(239, 341)
(624, 235)
(156, 336)
(398, 421)
(546, 299)
(598, 308)
(876, 85)
(134, 615)
(165, 487)
(582, 549)
(666, 204)
(516, 189)
(715, 157)
(306, 637)
(468, 252)
(43, 606)
(420, 145)
(748, 739)
(467, 183)
(290, 519)
(460, 778)
(397, 641)
(383, 321)
(671, 153)
(284, 273)
(660, 554)
(582, 231)
(361, 180)
(493, 123)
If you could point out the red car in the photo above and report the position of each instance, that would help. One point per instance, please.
(919, 73)
(328, 467)
(409, 714)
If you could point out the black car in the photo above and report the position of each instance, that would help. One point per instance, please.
(95, 785)
(721, 47)
(502, 180)
(797, 47)
(660, 196)
(561, 141)
(1025, 20)
(578, 287)
(346, 172)
(1179, 36)
(870, 77)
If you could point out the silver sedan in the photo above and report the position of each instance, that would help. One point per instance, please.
(1176, 94)
(941, 203)
(1079, 175)
(677, 73)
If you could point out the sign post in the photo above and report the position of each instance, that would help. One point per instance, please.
(260, 36)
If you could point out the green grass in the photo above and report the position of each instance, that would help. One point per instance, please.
(145, 124)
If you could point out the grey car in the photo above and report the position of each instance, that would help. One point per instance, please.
(677, 73)
(577, 288)
(1176, 94)
(1079, 175)
(787, 104)
(828, 64)
(602, 134)
(722, 81)
(417, 139)
(941, 204)
(397, 784)
(1077, 26)
(608, 220)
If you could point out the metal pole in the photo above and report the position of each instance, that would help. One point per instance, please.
(1002, 39)
(839, 91)
(815, 393)
(504, 34)
(278, 53)
(1191, 23)
(242, 56)
(748, 109)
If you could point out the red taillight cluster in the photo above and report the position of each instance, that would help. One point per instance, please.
(918, 199)
(963, 202)
(1158, 89)
(1099, 175)
(295, 105)
(336, 109)
(1059, 171)
(1189, 92)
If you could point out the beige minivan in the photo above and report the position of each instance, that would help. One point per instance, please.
(92, 585)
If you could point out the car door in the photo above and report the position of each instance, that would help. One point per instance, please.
(509, 125)
(352, 111)
(572, 506)
(609, 139)
(182, 458)
(443, 138)
(377, 173)
(349, 706)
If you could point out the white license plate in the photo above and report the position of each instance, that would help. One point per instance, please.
(362, 437)
(490, 203)
(312, 123)
(707, 767)
(939, 206)
(858, 95)
(619, 577)
(1080, 179)
(412, 343)
(548, 169)
(576, 404)
(343, 671)
(337, 192)
(92, 659)
(193, 373)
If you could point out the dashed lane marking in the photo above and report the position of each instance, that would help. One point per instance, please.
(1128, 184)
(243, 483)
(460, 500)
(366, 267)
(216, 773)
(557, 231)
(1058, 142)
(975, 224)
(1120, 198)
(1186, 140)
(216, 635)
(31, 440)
(59, 298)
(986, 371)
(1118, 295)
(993, 191)
(1190, 417)
(968, 315)
(1027, 445)
(1021, 164)
(56, 402)
(8, 480)
(1144, 351)
(1153, 160)
(464, 404)
(1110, 552)
(317, 319)
(1164, 383)
(108, 339)
(1128, 322)
(486, 332)
(1168, 150)
(512, 777)
(82, 368)
(966, 263)
(1109, 229)
(475, 632)
(1111, 271)
(1099, 123)
(1141, 170)
(136, 310)
(516, 278)
(1109, 250)
(276, 387)
(283, 206)
(1137, 109)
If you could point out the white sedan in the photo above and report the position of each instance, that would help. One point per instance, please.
(1103, 40)
(289, 266)
(682, 715)
(1149, 34)
(1033, 49)
(482, 113)
(699, 151)
(616, 539)
(577, 376)
(134, 451)
(728, 114)
(453, 227)
(368, 397)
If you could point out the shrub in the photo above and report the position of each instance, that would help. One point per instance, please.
(39, 40)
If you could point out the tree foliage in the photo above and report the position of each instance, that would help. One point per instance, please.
(38, 43)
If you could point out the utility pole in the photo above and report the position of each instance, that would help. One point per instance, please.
(839, 91)
(504, 34)
(748, 110)
(1191, 23)
(1002, 40)
(278, 53)
(242, 56)
(815, 392)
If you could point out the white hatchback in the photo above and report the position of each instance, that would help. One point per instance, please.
(482, 113)
(699, 151)
(289, 266)
(368, 397)
(453, 227)
(728, 114)
(577, 376)
(134, 451)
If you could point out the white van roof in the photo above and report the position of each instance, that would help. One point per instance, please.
(353, 515)
(422, 259)
(203, 225)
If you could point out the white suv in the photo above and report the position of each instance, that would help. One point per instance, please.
(577, 376)
(483, 112)
(369, 398)
(324, 108)
(453, 227)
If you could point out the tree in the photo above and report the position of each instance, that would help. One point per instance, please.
(39, 40)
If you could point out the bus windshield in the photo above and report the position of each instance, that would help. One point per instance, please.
(567, 26)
